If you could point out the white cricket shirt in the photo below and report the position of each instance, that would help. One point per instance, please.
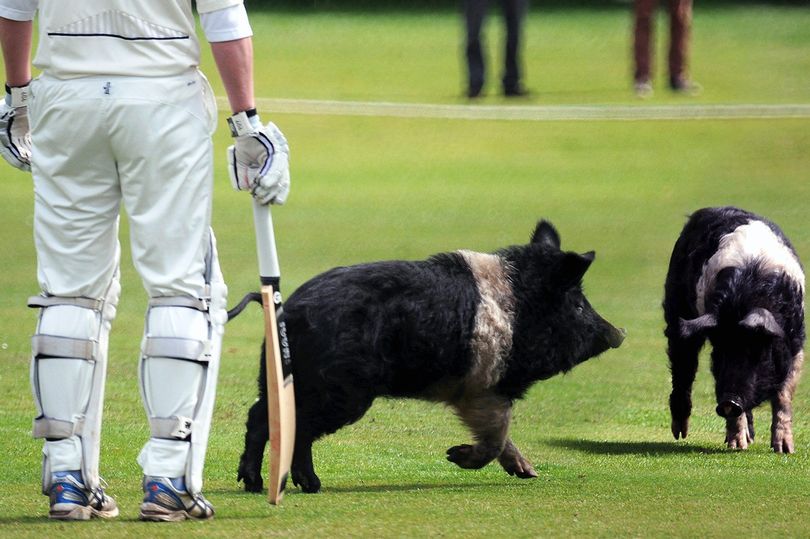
(142, 38)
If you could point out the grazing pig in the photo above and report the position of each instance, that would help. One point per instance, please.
(735, 279)
(471, 330)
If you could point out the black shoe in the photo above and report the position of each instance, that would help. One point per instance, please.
(474, 92)
(516, 91)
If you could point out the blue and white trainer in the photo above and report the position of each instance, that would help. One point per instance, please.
(71, 500)
(167, 500)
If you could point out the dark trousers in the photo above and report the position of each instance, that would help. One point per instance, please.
(474, 15)
(680, 18)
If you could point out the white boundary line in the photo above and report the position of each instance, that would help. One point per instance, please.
(537, 113)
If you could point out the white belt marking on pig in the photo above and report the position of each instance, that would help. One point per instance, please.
(751, 242)
(494, 319)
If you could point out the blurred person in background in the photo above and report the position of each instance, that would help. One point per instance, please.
(475, 12)
(680, 18)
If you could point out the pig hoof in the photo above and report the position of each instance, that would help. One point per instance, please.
(460, 454)
(737, 434)
(680, 428)
(252, 480)
(521, 468)
(784, 447)
(308, 483)
(738, 440)
(465, 457)
(253, 486)
(782, 441)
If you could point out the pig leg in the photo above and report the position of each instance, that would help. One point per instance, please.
(302, 469)
(514, 463)
(750, 416)
(322, 409)
(487, 416)
(782, 410)
(258, 432)
(737, 434)
(683, 359)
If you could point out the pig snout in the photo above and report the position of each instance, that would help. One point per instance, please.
(730, 406)
(616, 336)
(609, 335)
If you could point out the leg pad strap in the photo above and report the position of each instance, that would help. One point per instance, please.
(171, 428)
(176, 348)
(52, 301)
(57, 429)
(64, 347)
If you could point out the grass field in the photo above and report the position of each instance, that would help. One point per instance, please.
(369, 188)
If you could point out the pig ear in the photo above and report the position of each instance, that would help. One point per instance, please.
(762, 321)
(546, 233)
(574, 266)
(697, 326)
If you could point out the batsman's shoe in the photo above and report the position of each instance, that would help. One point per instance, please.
(167, 500)
(71, 500)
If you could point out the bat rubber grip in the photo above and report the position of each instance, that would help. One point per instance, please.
(265, 243)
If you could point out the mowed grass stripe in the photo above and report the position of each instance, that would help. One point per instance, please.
(531, 113)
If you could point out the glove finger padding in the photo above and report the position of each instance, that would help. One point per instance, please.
(15, 137)
(246, 160)
(259, 162)
(274, 186)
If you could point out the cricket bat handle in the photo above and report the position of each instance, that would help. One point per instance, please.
(269, 271)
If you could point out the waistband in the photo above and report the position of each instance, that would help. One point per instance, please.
(127, 86)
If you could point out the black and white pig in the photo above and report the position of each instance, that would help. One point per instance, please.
(735, 279)
(471, 330)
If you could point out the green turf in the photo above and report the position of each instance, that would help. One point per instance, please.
(377, 188)
(749, 55)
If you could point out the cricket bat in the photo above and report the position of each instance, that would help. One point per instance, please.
(280, 391)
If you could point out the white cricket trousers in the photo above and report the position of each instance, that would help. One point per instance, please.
(100, 143)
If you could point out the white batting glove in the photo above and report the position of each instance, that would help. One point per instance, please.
(15, 135)
(259, 159)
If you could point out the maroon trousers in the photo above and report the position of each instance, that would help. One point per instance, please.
(680, 18)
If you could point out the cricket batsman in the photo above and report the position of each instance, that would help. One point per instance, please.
(120, 116)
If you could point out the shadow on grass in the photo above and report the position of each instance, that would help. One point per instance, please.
(412, 487)
(635, 448)
(42, 518)
(379, 488)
